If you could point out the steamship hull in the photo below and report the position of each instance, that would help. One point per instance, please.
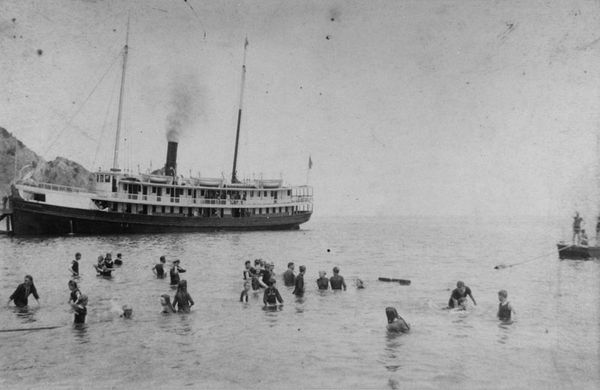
(30, 218)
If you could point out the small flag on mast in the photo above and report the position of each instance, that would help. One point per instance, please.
(309, 162)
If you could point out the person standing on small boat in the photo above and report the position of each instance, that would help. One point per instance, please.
(19, 297)
(272, 296)
(584, 238)
(459, 295)
(174, 273)
(337, 281)
(505, 309)
(598, 231)
(182, 300)
(299, 286)
(323, 282)
(78, 303)
(159, 269)
(288, 276)
(577, 221)
(75, 264)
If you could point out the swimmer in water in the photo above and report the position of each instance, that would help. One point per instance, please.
(75, 264)
(505, 309)
(272, 296)
(127, 312)
(458, 299)
(244, 294)
(174, 273)
(395, 322)
(119, 259)
(182, 300)
(159, 269)
(19, 297)
(299, 283)
(337, 281)
(165, 302)
(323, 282)
(78, 302)
(359, 284)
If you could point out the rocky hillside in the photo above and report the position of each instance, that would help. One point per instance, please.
(60, 171)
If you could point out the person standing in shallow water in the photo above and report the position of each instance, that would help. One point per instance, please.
(299, 284)
(174, 273)
(289, 278)
(505, 309)
(337, 281)
(323, 282)
(159, 269)
(272, 296)
(182, 300)
(19, 297)
(78, 303)
(75, 264)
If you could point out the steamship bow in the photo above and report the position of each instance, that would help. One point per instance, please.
(120, 202)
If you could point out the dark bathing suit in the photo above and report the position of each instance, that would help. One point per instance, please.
(504, 312)
(160, 271)
(75, 267)
(80, 313)
(299, 289)
(323, 283)
(272, 296)
(336, 282)
(289, 278)
(458, 296)
(21, 293)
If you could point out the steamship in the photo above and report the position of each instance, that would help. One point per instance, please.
(120, 202)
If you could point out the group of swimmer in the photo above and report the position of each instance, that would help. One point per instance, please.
(260, 277)
(458, 300)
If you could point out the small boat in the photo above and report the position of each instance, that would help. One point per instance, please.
(577, 252)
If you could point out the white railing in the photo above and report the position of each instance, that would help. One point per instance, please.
(55, 187)
(187, 201)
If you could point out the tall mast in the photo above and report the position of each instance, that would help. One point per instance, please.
(234, 178)
(118, 136)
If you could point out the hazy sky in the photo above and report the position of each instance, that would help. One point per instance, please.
(406, 107)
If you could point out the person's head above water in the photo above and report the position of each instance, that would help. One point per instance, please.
(291, 264)
(127, 311)
(461, 286)
(391, 314)
(72, 285)
(163, 259)
(336, 270)
(322, 274)
(77, 256)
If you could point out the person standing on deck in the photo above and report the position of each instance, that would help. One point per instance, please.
(337, 281)
(577, 221)
(289, 278)
(584, 238)
(299, 284)
(598, 231)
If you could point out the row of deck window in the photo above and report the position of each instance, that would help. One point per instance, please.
(198, 212)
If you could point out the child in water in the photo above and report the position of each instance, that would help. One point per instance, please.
(165, 302)
(504, 307)
(78, 302)
(244, 295)
(395, 322)
(119, 259)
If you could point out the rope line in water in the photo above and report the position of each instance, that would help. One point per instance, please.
(502, 266)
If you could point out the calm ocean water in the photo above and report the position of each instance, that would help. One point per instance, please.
(325, 340)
